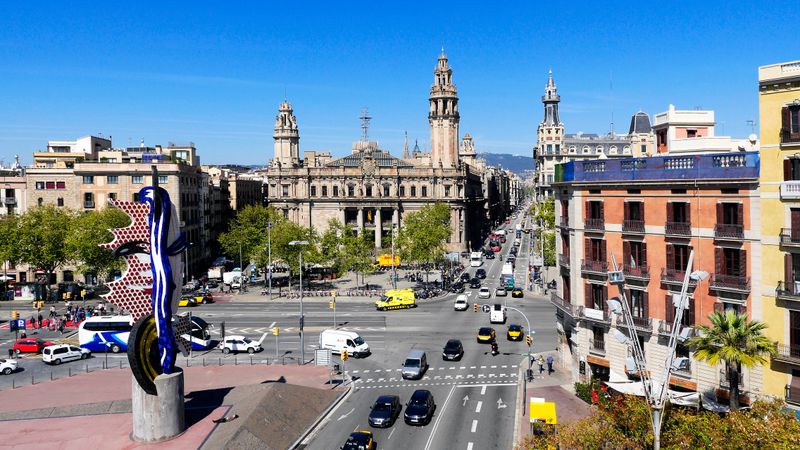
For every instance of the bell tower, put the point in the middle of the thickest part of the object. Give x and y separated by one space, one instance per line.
443 116
287 137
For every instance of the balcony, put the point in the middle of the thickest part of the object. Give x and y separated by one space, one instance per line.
792 395
790 190
728 231
88 204
725 384
644 324
790 237
633 226
563 221
597 346
563 305
789 138
789 354
680 229
594 267
788 291
732 283
9 200
672 276
563 261
594 315
640 273
595 225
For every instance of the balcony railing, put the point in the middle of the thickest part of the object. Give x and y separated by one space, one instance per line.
790 237
639 323
730 283
638 272
88 204
788 290
672 276
729 231
678 229
792 395
562 304
790 190
597 345
787 353
725 384
10 200
563 221
633 226
596 267
595 315
787 137
563 261
595 224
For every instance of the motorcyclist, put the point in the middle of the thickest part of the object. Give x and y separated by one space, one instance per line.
495 350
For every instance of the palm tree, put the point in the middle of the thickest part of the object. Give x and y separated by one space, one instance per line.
735 340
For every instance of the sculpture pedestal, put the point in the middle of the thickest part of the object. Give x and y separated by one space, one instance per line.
158 417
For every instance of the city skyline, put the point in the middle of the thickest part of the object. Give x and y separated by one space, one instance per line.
216 77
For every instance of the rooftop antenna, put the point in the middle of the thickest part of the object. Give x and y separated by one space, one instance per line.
611 91
752 123
365 119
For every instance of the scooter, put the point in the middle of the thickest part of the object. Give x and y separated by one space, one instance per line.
495 350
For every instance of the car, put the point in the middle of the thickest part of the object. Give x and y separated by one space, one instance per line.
360 440
465 277
56 354
515 332
484 293
486 335
475 283
8 366
513 251
480 273
30 345
420 408
489 254
384 412
517 292
461 303
457 287
500 292
453 350
187 300
240 344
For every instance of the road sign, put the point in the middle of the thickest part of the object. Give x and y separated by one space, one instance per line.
486 308
20 324
275 331
322 357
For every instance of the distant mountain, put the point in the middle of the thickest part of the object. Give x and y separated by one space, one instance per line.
514 163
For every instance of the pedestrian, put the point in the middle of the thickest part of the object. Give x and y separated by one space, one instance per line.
33 321
61 326
41 319
52 311
541 364
549 364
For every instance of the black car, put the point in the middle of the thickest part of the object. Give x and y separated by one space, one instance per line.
513 251
465 277
488 254
475 283
419 409
457 287
480 273
453 350
384 411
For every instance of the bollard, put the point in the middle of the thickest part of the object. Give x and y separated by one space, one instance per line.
220 361
32 381
51 376
120 364
251 360
13 384
235 361
204 362
70 371
87 368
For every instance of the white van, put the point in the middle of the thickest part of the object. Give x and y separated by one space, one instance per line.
339 340
56 354
498 314
476 259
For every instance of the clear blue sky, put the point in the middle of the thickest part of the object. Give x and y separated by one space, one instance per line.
214 74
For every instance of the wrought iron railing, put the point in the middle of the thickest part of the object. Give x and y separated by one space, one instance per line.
678 229
633 226
728 231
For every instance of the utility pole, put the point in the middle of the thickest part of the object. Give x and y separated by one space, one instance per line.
394 270
269 256
300 244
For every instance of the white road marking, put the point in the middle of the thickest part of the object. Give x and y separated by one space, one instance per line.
469 446
474 426
462 368
439 416
390 434
345 415
483 390
478 408
494 367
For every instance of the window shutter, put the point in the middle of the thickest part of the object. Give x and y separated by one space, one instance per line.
670 256
670 212
627 211
688 210
740 214
643 256
720 214
588 210
788 275
742 263
605 297
587 249
640 205
603 250
602 212
718 261
626 253
669 310
645 304
787 170
795 223
719 308
785 118
689 313
587 301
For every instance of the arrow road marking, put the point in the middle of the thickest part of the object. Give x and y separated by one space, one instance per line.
500 404
345 415
465 399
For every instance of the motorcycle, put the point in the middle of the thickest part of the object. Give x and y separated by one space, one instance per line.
495 350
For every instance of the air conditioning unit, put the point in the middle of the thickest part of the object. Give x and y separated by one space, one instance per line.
681 363
686 333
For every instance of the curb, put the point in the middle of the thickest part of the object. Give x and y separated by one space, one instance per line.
311 430
522 388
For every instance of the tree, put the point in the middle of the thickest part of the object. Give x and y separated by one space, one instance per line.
89 230
9 248
42 237
550 248
248 232
424 234
347 250
736 341
545 213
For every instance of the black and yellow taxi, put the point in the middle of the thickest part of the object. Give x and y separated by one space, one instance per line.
515 332
486 335
187 300
517 292
360 440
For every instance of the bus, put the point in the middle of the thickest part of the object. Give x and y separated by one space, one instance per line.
200 338
476 259
105 333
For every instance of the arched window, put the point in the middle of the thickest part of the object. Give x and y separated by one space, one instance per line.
613 150
402 190
368 190
424 191
599 149
413 191
585 149
386 190
351 190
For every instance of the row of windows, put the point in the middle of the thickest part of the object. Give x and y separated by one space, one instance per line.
50 185
556 149
350 191
114 179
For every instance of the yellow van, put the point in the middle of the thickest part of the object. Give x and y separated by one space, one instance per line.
396 299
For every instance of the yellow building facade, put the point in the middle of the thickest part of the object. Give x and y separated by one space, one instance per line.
779 110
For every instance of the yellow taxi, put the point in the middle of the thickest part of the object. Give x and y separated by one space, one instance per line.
360 440
486 335
187 300
514 333
517 292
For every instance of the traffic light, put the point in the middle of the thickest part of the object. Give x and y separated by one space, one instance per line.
15 314
345 355
330 304
275 331
475 307
528 340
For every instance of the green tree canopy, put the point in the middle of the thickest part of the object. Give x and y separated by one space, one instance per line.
42 234
736 341
9 247
249 230
545 212
424 234
87 231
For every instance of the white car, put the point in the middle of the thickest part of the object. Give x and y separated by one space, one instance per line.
241 344
56 354
8 366
461 303
484 293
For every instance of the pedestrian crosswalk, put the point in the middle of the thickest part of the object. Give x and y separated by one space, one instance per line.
250 331
435 376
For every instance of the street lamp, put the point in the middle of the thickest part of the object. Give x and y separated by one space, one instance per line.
269 256
394 268
302 316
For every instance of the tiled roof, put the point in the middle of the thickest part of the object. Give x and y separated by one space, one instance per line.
382 159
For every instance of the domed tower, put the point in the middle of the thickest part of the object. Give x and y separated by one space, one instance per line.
287 137
443 116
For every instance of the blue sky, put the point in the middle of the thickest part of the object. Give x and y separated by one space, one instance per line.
214 74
